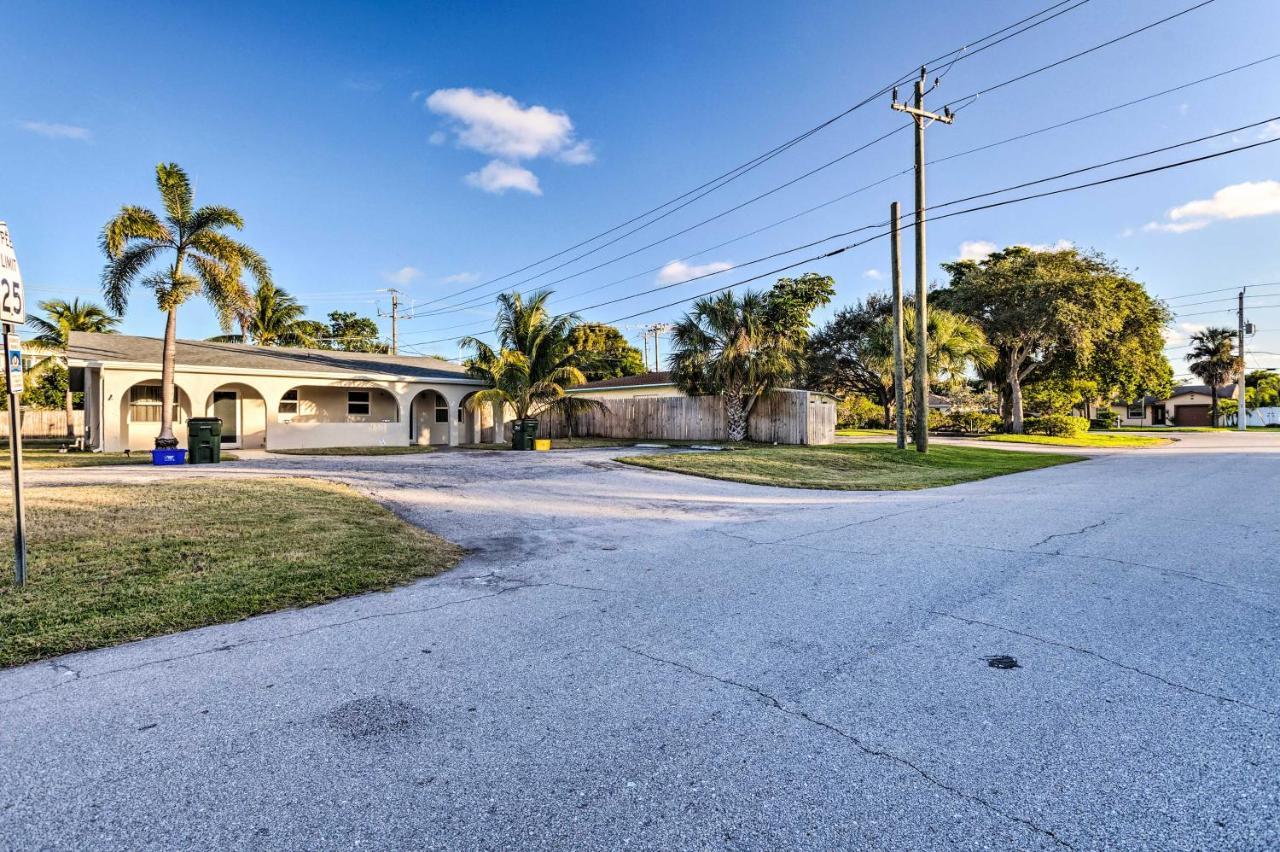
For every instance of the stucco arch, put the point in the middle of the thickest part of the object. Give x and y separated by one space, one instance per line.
139 415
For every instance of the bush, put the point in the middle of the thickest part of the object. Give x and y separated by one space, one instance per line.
970 422
1056 425
1105 418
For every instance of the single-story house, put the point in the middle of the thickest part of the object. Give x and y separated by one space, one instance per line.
629 387
272 397
1188 405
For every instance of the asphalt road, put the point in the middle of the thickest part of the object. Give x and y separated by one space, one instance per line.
638 659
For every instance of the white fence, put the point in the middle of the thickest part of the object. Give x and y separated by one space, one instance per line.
1269 416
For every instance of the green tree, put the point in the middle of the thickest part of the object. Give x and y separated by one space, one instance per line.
273 318
1262 388
53 331
1063 313
604 352
1213 360
741 347
176 257
535 360
351 332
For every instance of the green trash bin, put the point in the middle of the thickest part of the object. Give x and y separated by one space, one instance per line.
204 440
522 434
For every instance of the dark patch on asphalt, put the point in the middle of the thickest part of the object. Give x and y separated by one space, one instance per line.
1000 661
374 718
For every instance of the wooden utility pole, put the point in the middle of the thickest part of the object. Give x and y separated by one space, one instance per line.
395 319
1241 416
899 358
922 119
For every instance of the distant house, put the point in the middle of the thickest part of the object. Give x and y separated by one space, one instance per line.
629 387
272 397
1188 405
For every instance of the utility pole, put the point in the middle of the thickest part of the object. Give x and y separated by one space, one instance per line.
395 318
899 357
922 119
1241 417
656 330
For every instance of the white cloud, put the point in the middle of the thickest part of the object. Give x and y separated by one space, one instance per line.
53 130
499 125
460 278
1183 109
497 177
403 275
976 249
1270 130
438 138
1181 333
873 274
678 270
1060 245
1238 201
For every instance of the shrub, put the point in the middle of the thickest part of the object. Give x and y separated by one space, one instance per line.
1056 425
1105 418
971 422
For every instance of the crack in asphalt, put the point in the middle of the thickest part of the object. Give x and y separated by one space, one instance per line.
1106 659
773 702
793 538
516 586
1080 531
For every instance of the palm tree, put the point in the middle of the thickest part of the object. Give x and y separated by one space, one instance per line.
53 331
956 344
727 345
274 318
1212 359
197 258
535 360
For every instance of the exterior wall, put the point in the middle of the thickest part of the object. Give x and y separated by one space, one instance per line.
1122 412
425 428
322 400
1171 406
311 434
638 392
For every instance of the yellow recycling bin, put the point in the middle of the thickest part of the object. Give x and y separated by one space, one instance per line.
542 445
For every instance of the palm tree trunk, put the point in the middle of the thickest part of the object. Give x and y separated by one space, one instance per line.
736 414
166 440
71 412
1213 412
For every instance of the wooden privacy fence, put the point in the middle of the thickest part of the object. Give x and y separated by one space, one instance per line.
783 417
44 424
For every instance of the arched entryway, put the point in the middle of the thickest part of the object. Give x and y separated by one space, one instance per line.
429 417
243 412
140 408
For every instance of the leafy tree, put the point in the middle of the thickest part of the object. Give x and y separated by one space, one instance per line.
854 352
741 347
535 360
1060 313
53 331
856 411
351 332
1213 360
194 256
273 318
604 352
1262 388
1058 395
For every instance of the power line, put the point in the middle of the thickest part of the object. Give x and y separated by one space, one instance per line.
484 297
733 174
966 211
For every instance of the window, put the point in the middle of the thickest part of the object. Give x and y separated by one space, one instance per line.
289 402
145 402
442 410
357 403
1136 410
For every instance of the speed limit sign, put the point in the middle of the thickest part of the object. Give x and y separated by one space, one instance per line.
13 300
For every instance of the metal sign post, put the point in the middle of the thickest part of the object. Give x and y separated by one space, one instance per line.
13 311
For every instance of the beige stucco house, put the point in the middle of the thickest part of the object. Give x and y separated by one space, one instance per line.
1188 405
642 386
273 397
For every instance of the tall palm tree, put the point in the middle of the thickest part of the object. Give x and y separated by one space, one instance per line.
535 360
1213 360
274 318
727 345
194 255
53 331
956 344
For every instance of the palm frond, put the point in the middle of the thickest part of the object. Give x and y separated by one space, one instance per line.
175 192
123 269
133 223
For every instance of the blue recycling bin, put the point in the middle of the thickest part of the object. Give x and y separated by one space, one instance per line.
177 455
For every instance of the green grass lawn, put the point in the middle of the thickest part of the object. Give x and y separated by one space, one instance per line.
48 458
863 433
356 451
851 467
110 564
1089 439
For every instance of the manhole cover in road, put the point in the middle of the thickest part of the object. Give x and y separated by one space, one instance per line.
1002 661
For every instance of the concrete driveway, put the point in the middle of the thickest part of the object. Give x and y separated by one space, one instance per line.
639 659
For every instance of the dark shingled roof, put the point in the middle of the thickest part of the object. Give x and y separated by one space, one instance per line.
660 378
86 346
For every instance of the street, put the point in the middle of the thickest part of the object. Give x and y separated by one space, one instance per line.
640 659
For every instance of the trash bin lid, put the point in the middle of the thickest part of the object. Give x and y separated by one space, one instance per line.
204 419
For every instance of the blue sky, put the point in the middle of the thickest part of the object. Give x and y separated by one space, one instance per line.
430 146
